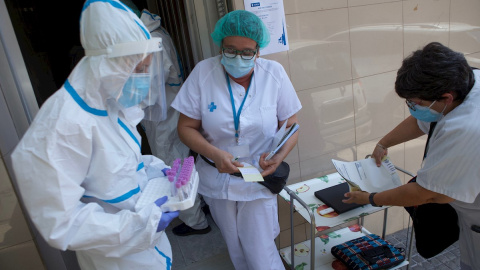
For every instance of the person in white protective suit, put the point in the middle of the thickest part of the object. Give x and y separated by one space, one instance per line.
162 136
79 168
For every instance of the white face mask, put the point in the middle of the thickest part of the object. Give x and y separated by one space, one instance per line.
237 67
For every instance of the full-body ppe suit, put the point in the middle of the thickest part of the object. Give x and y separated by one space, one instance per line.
163 137
79 168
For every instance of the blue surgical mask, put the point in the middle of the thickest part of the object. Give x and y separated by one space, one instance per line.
426 114
237 67
135 89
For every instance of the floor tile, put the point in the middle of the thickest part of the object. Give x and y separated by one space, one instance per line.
209 251
198 250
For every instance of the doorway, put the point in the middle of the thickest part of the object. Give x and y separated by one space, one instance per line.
49 38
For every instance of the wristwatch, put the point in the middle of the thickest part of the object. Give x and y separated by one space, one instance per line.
370 198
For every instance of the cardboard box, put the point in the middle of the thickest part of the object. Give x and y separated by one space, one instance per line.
284 215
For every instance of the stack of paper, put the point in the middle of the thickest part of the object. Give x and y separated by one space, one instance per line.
365 175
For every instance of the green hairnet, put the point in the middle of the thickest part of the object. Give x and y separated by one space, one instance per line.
241 23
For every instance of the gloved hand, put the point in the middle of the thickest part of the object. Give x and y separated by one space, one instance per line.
165 171
167 217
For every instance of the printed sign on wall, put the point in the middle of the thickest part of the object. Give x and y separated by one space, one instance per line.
272 13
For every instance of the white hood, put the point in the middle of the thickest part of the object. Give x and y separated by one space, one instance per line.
102 24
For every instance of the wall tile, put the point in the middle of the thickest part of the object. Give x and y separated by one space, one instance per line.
326 120
22 256
293 155
8 135
13 227
378 109
465 26
473 59
425 21
322 165
295 174
376 38
301 6
319 48
352 3
281 57
374 223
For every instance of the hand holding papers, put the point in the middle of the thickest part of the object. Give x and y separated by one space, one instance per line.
364 175
281 137
361 175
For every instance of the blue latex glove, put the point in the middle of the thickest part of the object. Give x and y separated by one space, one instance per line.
165 170
167 217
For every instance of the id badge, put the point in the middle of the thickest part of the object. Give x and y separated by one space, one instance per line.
239 151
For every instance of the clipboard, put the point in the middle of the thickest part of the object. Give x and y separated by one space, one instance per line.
279 141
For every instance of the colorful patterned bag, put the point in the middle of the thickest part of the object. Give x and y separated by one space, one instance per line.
368 252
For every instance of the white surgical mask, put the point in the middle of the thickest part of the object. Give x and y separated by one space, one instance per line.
237 67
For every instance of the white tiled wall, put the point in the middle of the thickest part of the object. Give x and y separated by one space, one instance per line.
319 48
376 35
17 248
343 59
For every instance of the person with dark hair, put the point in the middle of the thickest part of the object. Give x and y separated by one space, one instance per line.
231 106
439 87
437 67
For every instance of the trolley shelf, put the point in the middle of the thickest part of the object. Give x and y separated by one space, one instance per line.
324 260
309 207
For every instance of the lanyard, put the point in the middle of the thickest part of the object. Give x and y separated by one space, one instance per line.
430 132
236 115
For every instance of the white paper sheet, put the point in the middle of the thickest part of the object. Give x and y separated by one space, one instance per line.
272 13
367 176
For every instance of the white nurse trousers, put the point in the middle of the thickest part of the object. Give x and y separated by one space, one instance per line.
249 229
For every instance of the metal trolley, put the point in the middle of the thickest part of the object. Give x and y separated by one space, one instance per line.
293 196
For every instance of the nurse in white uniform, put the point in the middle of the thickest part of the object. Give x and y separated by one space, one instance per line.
439 86
79 167
231 106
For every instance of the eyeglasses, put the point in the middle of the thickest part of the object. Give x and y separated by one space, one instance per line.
411 104
245 54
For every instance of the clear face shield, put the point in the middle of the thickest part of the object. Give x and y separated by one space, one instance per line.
145 85
155 105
